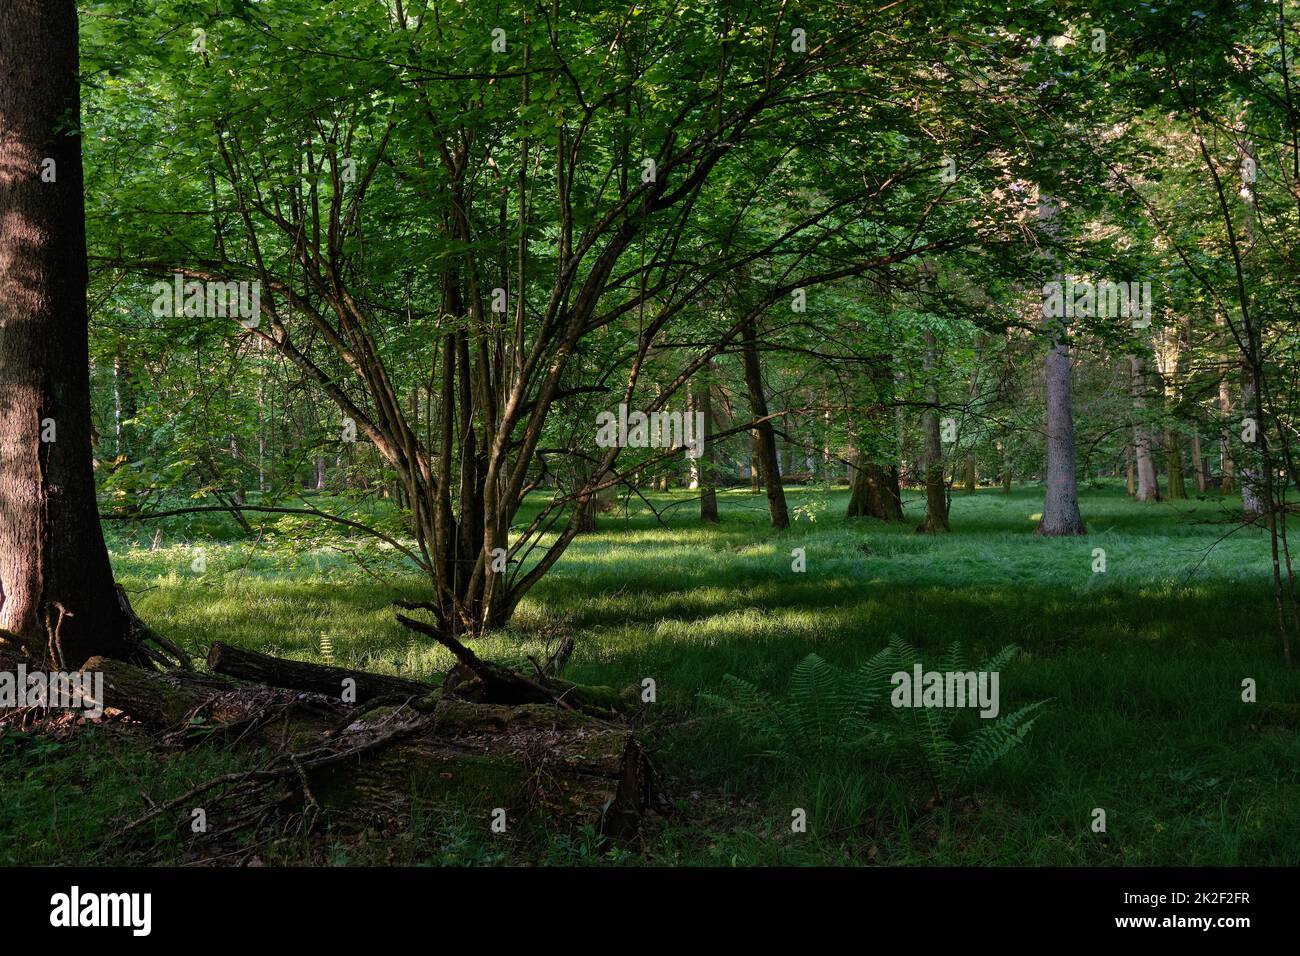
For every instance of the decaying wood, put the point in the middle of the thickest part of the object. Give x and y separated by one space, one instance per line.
300 675
188 706
529 760
362 767
160 700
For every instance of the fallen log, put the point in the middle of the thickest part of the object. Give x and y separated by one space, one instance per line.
368 767
529 761
300 675
160 700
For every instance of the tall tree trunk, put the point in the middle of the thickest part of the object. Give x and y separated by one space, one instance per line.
1172 359
766 435
705 465
1252 500
1061 501
261 417
1198 463
238 495
829 467
57 595
936 492
587 522
124 405
1253 474
1174 462
1148 486
1227 466
1130 481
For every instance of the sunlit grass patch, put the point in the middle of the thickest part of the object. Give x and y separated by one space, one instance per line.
1142 662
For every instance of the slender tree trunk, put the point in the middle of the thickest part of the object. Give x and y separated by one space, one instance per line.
124 406
1227 467
238 494
57 596
1130 473
829 467
1198 463
970 477
1252 501
1148 486
706 463
261 418
1252 476
1172 359
587 510
766 435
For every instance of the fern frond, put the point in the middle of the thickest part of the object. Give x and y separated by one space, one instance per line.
992 742
813 694
955 659
1001 659
866 687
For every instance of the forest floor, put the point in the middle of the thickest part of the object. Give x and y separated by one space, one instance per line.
1142 667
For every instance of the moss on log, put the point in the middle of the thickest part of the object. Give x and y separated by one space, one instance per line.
534 761
152 698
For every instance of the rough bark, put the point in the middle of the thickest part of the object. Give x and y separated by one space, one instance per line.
1198 463
1173 361
160 700
875 492
258 668
1227 466
1061 501
124 405
1252 498
1177 486
359 767
1148 487
765 434
56 585
936 492
527 759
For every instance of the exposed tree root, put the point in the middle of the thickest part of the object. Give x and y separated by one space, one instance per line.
157 648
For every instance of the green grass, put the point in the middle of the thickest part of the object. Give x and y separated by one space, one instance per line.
1143 665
